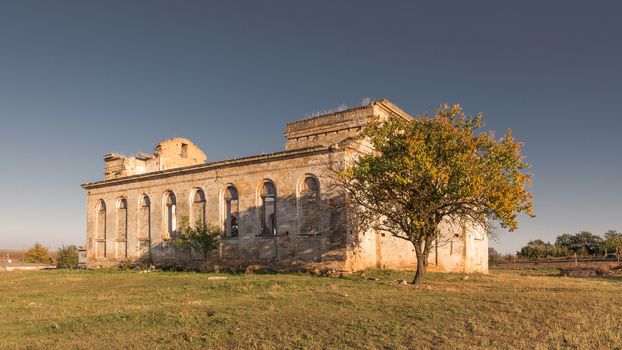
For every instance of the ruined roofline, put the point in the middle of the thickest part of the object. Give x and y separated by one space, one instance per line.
343 116
389 106
208 166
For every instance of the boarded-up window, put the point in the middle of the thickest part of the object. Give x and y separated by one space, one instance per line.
232 209
144 218
100 230
144 226
100 221
121 228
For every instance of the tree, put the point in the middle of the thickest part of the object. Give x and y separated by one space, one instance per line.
612 242
540 249
38 254
583 243
565 241
531 250
202 237
429 170
67 257
494 256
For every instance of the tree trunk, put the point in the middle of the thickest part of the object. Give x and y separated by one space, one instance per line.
422 266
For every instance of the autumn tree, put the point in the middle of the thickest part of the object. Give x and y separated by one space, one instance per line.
430 170
37 254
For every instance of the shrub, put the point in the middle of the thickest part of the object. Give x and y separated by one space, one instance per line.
494 257
67 257
612 242
38 254
128 264
202 238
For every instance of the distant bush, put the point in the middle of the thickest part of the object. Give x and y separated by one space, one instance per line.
613 242
494 256
583 243
67 257
38 254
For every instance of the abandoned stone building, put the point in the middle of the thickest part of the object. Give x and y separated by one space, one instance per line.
274 209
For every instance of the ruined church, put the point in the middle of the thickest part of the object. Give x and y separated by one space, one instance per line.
276 210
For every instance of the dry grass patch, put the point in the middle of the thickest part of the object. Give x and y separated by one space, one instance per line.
116 309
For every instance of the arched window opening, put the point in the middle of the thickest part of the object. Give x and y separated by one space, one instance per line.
100 220
309 206
121 227
144 225
145 202
170 215
122 203
100 230
198 207
268 209
231 212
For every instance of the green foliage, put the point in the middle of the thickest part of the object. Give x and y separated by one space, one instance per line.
67 257
428 170
494 257
612 242
539 249
583 243
201 237
37 254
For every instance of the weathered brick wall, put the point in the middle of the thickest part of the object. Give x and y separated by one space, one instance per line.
286 172
178 152
173 153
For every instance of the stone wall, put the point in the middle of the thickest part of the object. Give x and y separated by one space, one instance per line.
286 170
329 129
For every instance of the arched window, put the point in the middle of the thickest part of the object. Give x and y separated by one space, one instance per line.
268 209
170 214
231 212
121 228
144 225
198 207
309 201
100 229
100 220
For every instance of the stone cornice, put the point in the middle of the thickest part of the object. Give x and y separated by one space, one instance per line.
269 157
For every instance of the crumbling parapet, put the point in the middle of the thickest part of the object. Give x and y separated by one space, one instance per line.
169 154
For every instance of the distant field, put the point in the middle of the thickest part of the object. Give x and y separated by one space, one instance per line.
14 255
117 309
17 255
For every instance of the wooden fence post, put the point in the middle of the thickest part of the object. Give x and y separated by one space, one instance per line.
576 262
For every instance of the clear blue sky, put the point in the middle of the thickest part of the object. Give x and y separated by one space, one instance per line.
79 79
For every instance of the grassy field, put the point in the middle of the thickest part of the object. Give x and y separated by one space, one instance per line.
123 309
